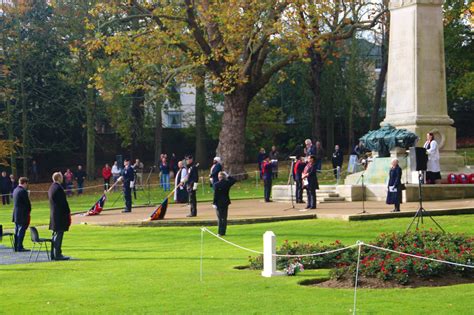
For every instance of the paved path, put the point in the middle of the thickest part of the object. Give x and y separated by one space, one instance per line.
252 211
9 257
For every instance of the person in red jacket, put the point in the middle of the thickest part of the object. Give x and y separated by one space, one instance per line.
106 174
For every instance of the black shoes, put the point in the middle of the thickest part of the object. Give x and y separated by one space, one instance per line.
61 258
395 210
22 250
126 211
190 215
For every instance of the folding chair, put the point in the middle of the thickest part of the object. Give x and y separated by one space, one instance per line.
2 234
37 240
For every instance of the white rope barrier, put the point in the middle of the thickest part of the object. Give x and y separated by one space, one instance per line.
318 254
357 276
230 243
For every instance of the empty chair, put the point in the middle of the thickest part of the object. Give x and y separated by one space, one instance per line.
37 240
2 234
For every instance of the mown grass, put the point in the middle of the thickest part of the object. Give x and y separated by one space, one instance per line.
156 270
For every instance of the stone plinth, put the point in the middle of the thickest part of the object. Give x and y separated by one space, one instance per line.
416 79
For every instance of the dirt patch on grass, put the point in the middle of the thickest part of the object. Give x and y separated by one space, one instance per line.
374 283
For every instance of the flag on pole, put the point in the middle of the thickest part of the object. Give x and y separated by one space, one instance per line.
98 206
160 211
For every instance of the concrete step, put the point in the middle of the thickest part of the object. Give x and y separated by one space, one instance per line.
333 199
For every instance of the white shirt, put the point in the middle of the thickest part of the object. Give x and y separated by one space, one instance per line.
115 170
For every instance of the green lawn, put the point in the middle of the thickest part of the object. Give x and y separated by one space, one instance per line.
156 270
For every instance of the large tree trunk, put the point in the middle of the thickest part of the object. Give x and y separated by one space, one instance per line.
231 146
200 116
90 133
158 131
374 118
316 67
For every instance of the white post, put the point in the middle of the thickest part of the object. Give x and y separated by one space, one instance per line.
269 260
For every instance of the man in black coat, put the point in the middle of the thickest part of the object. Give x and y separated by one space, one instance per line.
310 174
191 180
5 188
21 213
337 159
222 200
128 178
60 216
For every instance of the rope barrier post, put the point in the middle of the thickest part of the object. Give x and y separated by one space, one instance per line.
338 174
357 276
269 255
202 250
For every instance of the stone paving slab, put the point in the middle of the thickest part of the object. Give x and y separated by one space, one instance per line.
257 211
9 257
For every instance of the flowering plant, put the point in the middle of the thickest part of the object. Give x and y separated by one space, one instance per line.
293 268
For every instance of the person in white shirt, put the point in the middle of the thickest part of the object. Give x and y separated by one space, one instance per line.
115 173
433 171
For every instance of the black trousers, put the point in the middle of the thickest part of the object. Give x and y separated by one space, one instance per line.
56 250
106 183
20 231
6 198
127 193
299 190
222 212
311 191
267 189
193 202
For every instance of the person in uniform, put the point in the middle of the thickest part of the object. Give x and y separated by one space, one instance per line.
337 158
214 172
394 193
21 213
60 216
221 200
127 177
267 175
191 182
311 183
297 176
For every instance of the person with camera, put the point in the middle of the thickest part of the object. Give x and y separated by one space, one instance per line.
267 175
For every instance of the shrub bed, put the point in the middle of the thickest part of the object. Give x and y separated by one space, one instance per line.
385 265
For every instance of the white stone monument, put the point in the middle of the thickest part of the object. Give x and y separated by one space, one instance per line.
416 79
269 260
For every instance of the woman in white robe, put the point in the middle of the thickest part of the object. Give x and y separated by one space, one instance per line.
433 171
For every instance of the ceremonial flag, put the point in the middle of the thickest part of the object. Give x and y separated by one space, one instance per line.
160 211
98 207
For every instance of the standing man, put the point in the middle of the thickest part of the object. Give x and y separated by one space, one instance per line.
311 183
60 216
191 181
115 173
127 178
337 158
222 200
138 167
319 154
297 175
5 188
267 175
214 172
309 148
80 177
274 157
21 213
106 174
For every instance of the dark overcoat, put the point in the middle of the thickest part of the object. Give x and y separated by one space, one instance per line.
60 214
394 180
21 206
221 192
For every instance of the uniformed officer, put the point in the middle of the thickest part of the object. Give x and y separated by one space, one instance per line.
191 181
127 177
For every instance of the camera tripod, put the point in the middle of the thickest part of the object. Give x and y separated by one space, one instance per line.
421 211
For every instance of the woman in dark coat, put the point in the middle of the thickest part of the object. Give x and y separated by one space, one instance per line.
394 193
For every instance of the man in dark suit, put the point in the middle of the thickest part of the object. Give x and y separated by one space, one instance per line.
21 213
297 176
215 169
267 175
222 200
191 180
127 177
60 216
310 174
337 158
